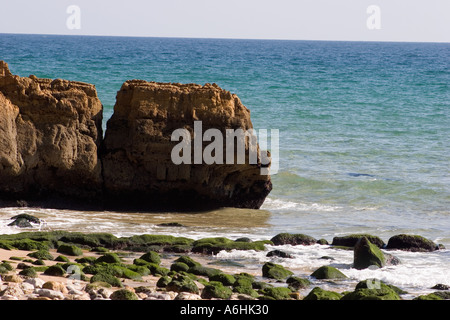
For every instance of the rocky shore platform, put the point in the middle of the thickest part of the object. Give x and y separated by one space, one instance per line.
61 265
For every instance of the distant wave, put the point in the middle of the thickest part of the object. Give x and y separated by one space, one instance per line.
279 204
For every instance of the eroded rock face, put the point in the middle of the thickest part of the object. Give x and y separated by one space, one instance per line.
50 133
137 164
52 147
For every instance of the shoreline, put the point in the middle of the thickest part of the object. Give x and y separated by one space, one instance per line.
125 264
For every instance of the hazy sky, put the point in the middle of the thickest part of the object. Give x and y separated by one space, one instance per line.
396 20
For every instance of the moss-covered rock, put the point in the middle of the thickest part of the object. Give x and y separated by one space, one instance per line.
277 293
297 283
245 276
140 262
443 294
100 239
182 283
142 270
258 285
163 281
247 290
130 274
7 265
16 258
6 245
62 258
293 239
152 257
372 290
413 243
70 250
319 294
29 272
352 239
244 284
225 279
367 254
108 258
204 271
328 272
215 245
39 262
41 254
188 260
217 290
164 242
157 270
103 267
123 294
88 260
106 277
55 270
179 266
275 271
3 270
430 296
40 268
322 241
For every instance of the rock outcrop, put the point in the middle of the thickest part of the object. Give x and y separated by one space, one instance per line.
50 133
52 149
367 254
137 164
413 243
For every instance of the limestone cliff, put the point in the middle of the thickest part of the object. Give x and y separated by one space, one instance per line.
51 145
137 164
50 132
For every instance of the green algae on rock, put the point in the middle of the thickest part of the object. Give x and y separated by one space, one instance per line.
411 243
318 293
298 283
70 250
352 239
372 289
225 279
276 293
367 254
182 283
293 239
215 245
216 289
328 272
123 294
41 254
275 271
55 270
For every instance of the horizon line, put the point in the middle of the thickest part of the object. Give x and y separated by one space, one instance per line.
218 38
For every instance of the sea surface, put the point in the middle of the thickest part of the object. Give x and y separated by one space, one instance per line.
364 139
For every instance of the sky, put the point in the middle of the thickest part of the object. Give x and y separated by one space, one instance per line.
342 20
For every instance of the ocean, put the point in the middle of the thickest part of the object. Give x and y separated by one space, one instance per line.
364 138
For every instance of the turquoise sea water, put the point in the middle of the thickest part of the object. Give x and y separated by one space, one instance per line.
364 127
